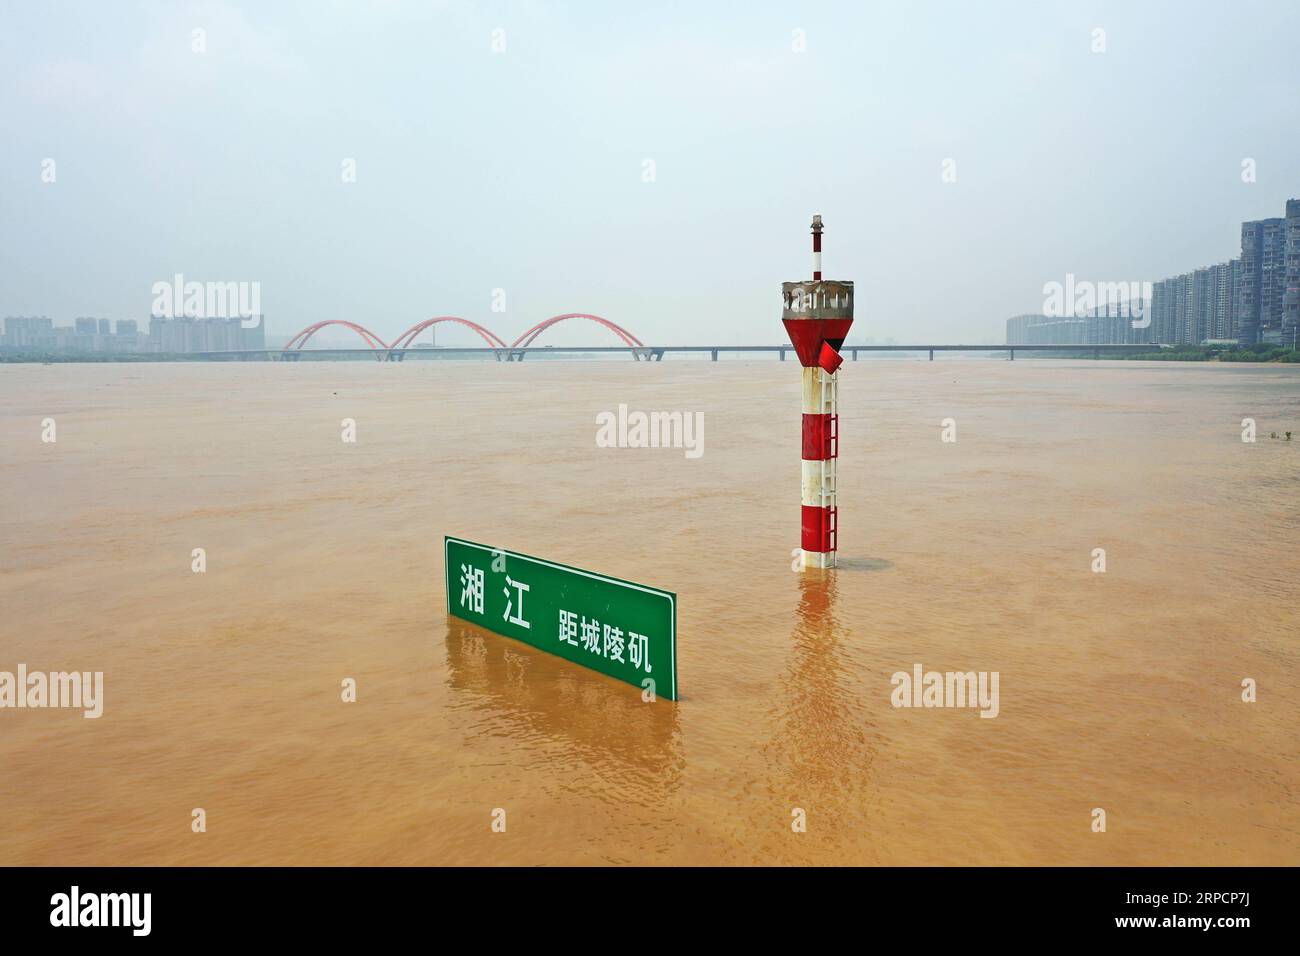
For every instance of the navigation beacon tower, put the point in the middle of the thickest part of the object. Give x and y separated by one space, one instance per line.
817 315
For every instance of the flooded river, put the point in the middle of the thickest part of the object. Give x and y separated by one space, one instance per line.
1119 691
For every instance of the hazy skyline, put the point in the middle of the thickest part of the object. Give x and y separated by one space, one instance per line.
523 169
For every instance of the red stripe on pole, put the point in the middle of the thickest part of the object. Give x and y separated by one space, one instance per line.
818 430
819 528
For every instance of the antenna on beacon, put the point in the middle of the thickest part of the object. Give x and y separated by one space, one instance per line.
817 248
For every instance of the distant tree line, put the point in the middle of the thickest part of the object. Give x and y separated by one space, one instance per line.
1213 353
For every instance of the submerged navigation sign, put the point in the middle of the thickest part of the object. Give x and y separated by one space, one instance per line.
625 630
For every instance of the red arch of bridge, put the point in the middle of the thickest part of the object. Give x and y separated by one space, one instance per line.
407 338
530 336
374 341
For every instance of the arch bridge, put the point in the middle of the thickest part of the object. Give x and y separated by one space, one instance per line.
515 351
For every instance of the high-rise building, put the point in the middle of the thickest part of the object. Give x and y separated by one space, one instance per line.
127 327
187 334
1161 310
28 331
1263 280
1173 309
1291 294
1204 304
156 326
253 336
1200 307
1018 329
1226 277
1272 285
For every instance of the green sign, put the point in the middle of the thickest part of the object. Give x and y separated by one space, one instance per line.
625 630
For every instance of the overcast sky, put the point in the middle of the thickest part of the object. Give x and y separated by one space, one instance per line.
524 169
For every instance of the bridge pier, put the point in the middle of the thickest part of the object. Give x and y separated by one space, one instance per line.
782 355
1013 354
855 355
931 355
715 355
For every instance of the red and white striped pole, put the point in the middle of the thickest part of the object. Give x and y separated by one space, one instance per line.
817 315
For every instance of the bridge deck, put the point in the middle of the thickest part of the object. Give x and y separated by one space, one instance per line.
657 352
